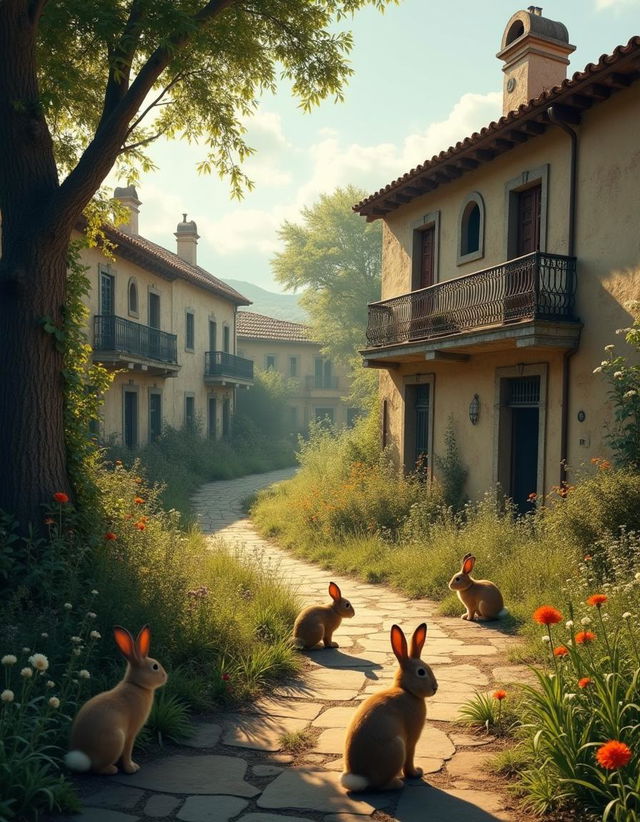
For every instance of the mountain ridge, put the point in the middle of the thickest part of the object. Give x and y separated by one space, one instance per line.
270 303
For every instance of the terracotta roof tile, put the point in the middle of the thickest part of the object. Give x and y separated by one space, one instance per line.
581 82
260 327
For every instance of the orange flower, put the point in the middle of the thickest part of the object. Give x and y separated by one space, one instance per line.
561 650
596 599
499 695
118 462
139 525
584 682
49 521
584 637
110 535
613 755
532 497
61 497
138 500
547 615
588 558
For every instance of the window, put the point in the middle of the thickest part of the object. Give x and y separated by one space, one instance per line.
225 339
213 335
130 419
212 417
426 233
154 309
107 290
155 416
325 416
526 209
226 418
293 366
190 331
270 362
133 298
323 377
189 412
471 244
353 415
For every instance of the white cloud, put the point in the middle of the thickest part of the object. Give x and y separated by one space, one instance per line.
601 5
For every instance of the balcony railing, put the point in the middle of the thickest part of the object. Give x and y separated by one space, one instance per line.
220 364
538 286
111 333
317 383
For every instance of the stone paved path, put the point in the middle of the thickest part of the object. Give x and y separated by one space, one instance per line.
234 768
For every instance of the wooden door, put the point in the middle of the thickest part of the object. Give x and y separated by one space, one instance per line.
529 220
427 257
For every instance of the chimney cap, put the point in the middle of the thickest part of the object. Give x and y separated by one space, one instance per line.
532 23
187 228
126 193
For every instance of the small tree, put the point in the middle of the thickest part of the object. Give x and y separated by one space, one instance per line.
624 392
451 472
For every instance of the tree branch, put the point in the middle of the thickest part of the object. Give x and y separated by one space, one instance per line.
121 59
155 103
144 142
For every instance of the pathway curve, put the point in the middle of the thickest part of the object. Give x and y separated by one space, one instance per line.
234 768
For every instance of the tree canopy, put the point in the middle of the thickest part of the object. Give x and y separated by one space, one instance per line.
336 256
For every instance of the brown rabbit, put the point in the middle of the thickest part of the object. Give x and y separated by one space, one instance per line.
479 596
383 734
318 622
106 726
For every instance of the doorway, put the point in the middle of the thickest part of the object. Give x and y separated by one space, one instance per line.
520 438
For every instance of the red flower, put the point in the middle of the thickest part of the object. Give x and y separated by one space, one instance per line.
110 535
584 637
561 650
596 599
61 497
584 682
499 695
613 755
138 500
547 615
139 525
226 677
588 558
532 497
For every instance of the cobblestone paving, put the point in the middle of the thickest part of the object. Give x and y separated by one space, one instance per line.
233 768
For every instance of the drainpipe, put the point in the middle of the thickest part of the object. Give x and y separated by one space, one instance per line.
555 116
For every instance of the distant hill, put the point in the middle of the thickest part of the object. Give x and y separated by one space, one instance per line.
280 306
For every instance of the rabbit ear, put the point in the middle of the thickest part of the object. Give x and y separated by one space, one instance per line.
399 643
143 642
468 563
334 591
125 642
417 640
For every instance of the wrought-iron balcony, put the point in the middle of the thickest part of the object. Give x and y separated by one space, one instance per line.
324 383
538 288
221 367
123 343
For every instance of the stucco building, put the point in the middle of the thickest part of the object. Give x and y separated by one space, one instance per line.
318 386
509 261
169 329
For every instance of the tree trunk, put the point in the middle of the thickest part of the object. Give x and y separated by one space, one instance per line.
32 449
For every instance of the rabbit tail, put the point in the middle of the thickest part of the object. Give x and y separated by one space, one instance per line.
77 761
503 612
353 782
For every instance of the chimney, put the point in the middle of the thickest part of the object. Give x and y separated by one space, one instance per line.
129 197
187 240
535 54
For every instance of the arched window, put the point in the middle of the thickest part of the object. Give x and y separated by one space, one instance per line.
471 245
133 298
516 30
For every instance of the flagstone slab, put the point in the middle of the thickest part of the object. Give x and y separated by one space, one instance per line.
205 735
115 796
287 707
335 718
89 814
469 674
208 808
266 770
468 765
305 789
161 804
335 658
443 711
331 741
434 744
462 740
509 674
426 802
259 731
273 817
475 650
207 774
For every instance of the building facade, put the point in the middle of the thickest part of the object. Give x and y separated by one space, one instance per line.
509 261
318 386
167 328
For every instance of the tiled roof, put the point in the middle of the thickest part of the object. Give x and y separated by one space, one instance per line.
260 327
596 83
153 256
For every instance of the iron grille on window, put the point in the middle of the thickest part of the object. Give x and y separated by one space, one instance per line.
524 391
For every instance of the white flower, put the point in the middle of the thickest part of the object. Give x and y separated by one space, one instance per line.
604 617
604 362
54 702
94 592
569 697
628 394
91 615
27 673
44 635
68 606
618 375
9 659
39 661
26 650
95 635
597 369
7 695
77 651
609 347
50 684
586 621
545 639
76 639
569 623
627 615
84 674
638 575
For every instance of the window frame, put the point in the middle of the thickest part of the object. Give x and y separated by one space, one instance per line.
513 187
469 256
189 330
133 311
430 220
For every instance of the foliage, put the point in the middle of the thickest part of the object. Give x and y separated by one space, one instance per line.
624 392
169 719
336 256
451 472
494 712
264 407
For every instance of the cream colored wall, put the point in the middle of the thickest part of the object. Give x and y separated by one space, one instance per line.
305 401
175 298
608 266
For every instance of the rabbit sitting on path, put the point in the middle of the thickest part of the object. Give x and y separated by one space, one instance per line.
479 596
318 622
106 726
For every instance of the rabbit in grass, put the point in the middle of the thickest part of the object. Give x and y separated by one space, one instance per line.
383 734
479 596
106 726
318 622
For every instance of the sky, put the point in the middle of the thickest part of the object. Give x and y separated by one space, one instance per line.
426 76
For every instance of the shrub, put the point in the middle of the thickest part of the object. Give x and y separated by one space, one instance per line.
451 472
